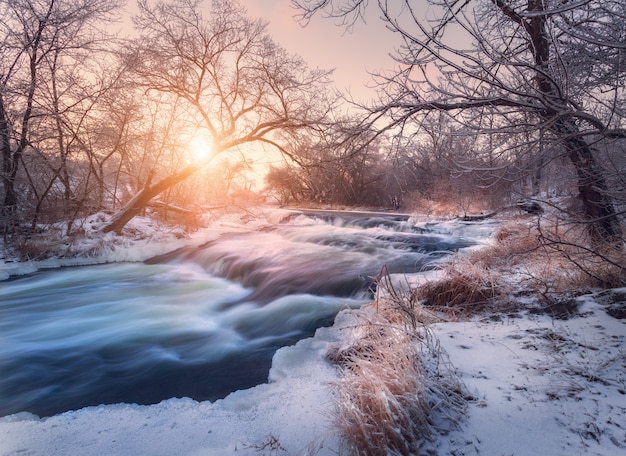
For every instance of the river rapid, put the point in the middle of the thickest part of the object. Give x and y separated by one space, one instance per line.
199 322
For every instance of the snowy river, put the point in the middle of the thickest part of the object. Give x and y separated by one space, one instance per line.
199 322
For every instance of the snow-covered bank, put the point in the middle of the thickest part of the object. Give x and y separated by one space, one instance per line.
542 385
142 239
289 412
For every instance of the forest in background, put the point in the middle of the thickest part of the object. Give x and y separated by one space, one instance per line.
172 119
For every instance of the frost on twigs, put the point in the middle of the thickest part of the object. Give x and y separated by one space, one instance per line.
397 387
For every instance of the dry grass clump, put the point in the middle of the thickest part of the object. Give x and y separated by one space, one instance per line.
34 248
517 238
605 271
459 293
554 257
588 263
382 405
397 386
522 258
515 242
482 280
546 260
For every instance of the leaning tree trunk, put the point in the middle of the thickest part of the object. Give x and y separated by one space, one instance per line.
138 202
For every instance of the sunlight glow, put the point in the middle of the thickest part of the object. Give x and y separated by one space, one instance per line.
200 149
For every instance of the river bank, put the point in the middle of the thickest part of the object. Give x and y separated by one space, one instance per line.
539 384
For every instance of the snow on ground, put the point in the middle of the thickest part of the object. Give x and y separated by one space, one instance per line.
542 386
142 239
289 412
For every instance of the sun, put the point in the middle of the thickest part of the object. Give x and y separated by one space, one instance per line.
200 149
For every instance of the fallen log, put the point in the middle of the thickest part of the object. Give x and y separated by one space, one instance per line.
170 207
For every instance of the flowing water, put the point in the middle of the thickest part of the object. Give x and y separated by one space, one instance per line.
199 322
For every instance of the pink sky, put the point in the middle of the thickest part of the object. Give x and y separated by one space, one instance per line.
326 45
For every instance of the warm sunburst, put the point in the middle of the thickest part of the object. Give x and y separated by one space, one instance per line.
200 149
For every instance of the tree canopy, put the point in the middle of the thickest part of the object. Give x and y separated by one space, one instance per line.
504 91
90 121
539 74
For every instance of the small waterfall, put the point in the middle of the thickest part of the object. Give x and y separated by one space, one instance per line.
199 322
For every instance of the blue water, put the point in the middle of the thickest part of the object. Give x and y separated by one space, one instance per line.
200 322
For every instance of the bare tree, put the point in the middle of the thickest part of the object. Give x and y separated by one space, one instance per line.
538 72
233 81
39 39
